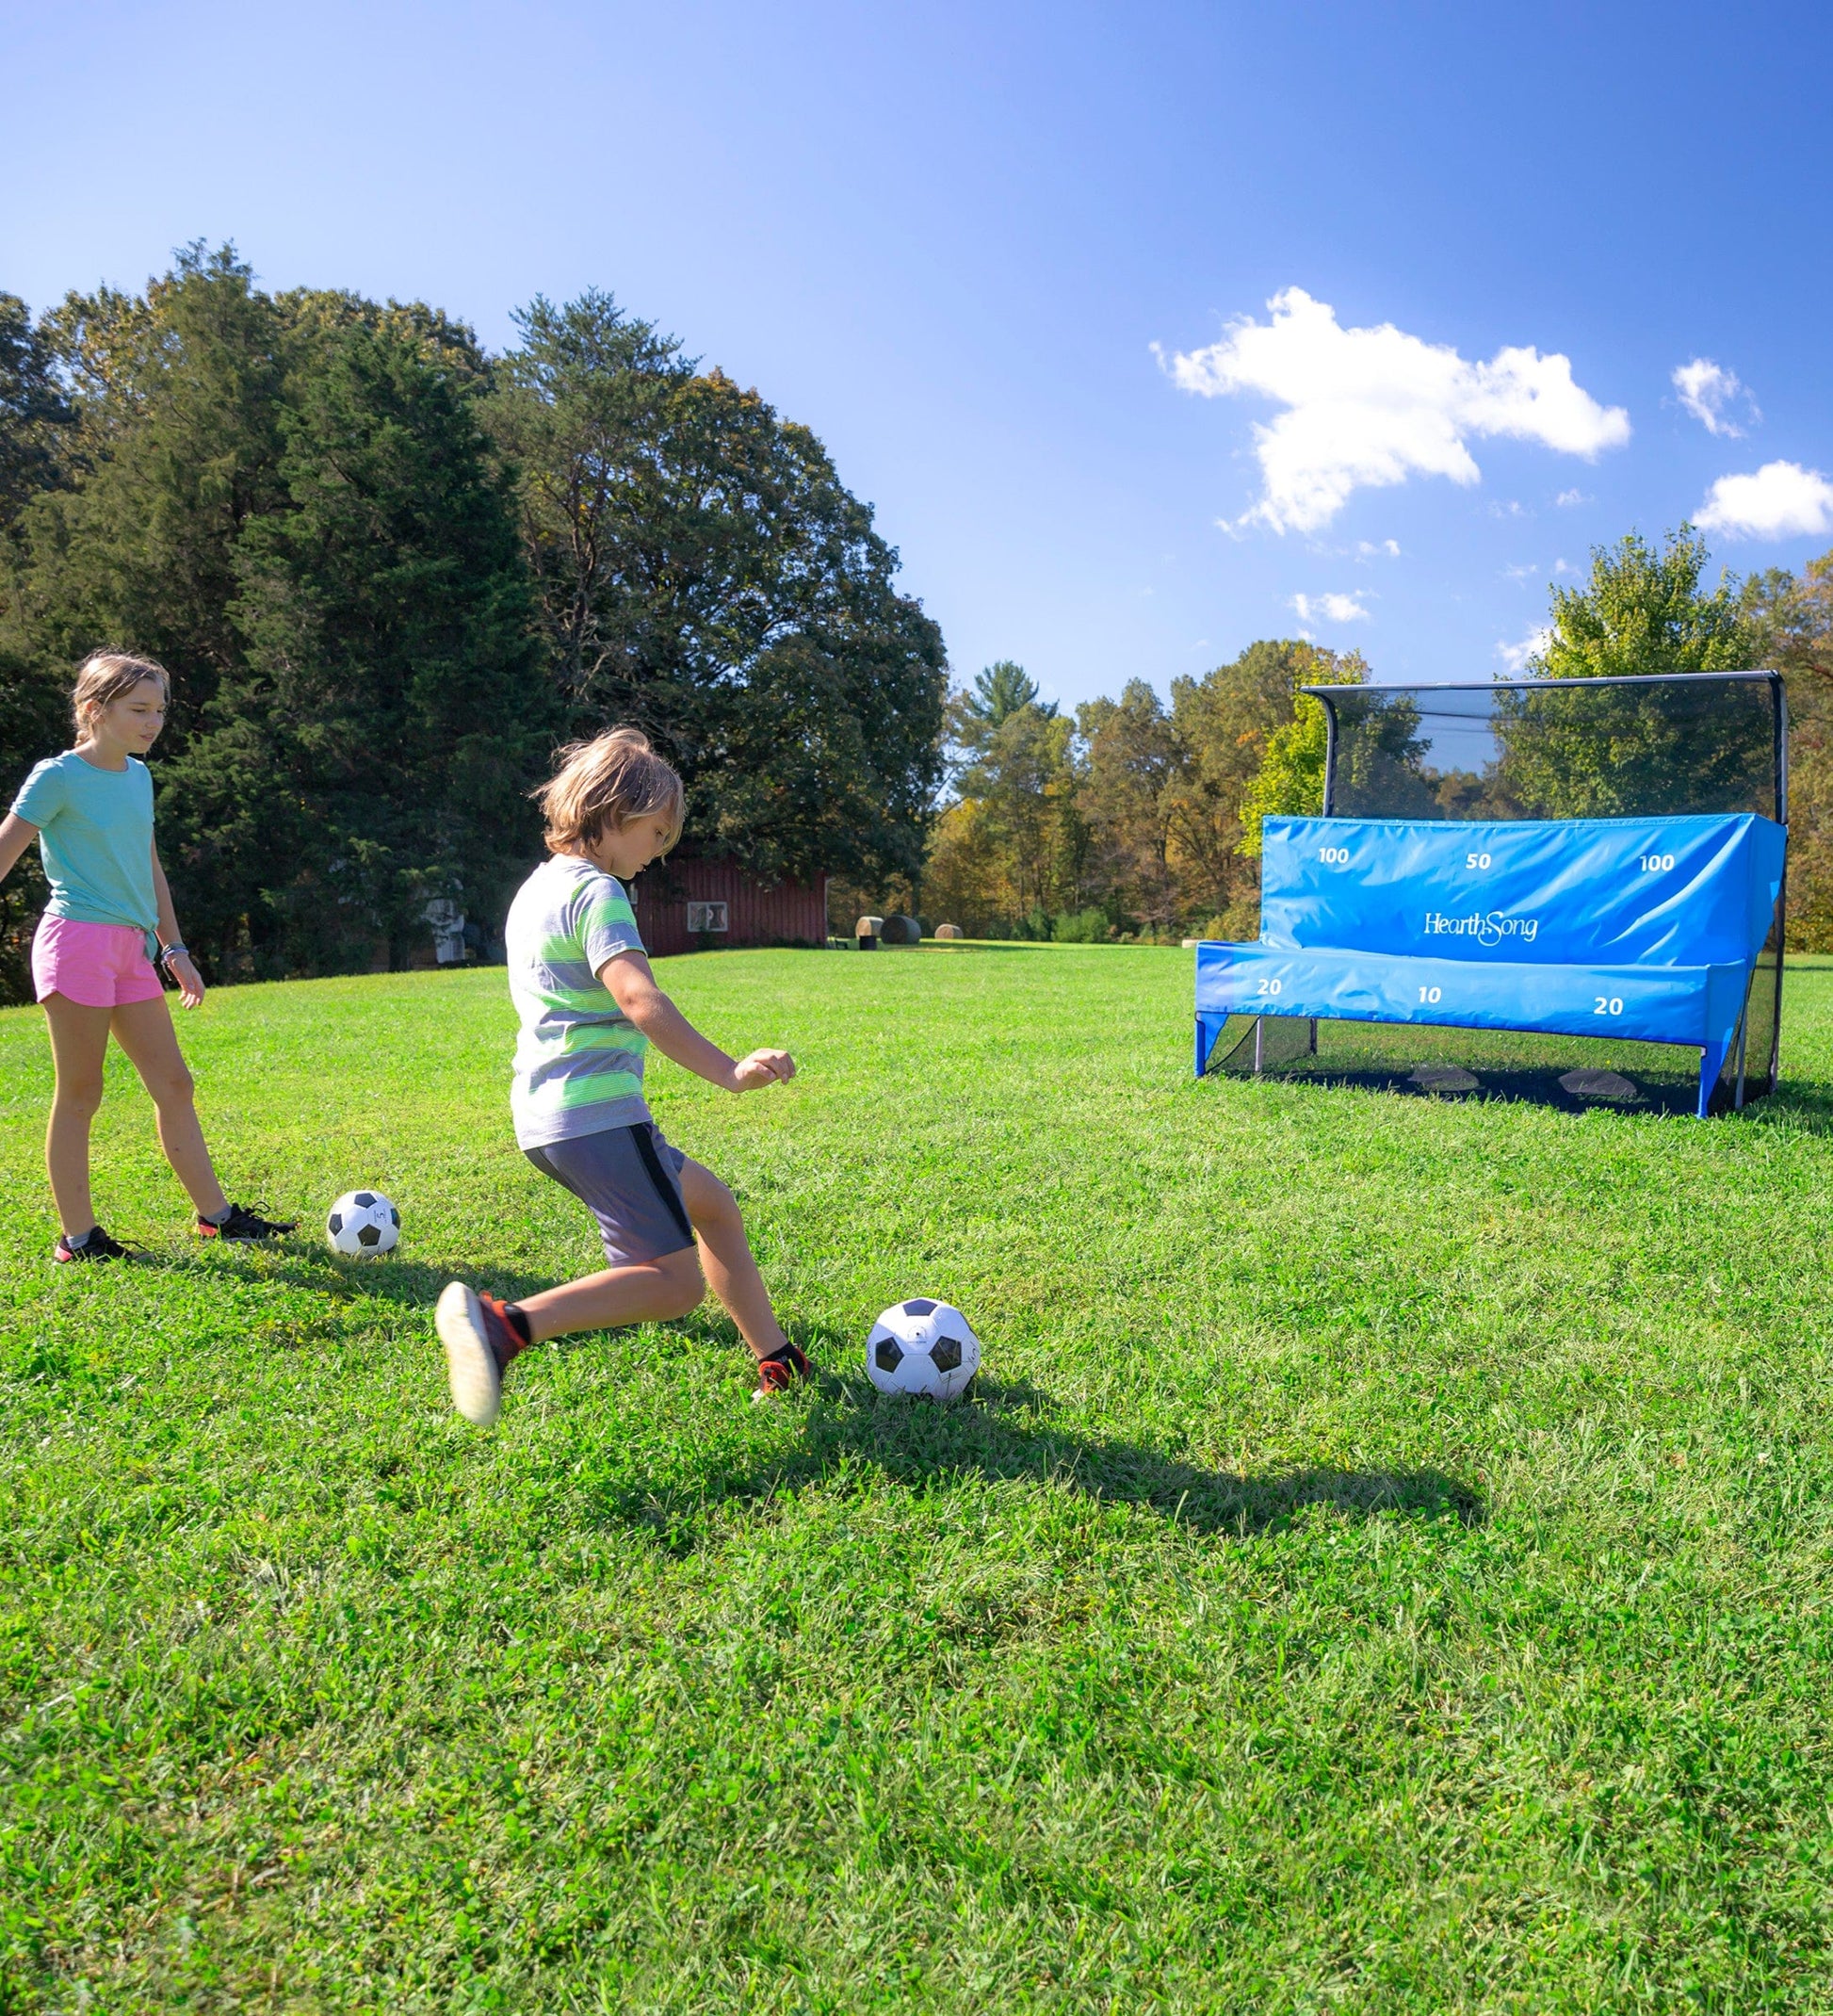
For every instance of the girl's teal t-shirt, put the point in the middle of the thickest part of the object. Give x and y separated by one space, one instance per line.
95 838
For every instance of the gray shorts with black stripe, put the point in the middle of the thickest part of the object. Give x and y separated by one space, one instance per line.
629 1179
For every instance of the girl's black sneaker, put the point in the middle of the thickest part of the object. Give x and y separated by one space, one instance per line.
95 1244
245 1224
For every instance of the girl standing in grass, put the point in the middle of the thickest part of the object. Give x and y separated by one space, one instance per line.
589 1009
110 914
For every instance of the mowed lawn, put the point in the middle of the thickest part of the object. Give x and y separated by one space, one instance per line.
1385 1565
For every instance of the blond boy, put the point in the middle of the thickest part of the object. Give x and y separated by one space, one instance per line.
589 1010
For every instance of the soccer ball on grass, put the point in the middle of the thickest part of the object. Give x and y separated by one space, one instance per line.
362 1223
924 1348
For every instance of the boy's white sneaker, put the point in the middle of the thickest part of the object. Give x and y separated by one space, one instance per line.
475 1355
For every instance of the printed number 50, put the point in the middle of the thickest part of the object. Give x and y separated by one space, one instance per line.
1607 1004
1431 994
1476 860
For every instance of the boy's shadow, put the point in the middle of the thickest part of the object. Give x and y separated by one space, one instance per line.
1000 1431
1007 1433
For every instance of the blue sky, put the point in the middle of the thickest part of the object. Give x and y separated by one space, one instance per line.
1003 258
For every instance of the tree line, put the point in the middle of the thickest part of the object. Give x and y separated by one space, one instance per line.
390 572
1137 817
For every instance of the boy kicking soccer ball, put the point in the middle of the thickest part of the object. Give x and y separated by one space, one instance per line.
589 1009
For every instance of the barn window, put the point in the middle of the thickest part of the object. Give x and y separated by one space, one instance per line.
707 916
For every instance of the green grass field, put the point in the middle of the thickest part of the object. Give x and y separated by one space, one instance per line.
1385 1565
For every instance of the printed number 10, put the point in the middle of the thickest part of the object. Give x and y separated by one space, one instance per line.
1431 994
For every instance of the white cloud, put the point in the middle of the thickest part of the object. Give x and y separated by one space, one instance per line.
1329 608
1371 407
1522 571
1566 499
1781 499
1516 656
1561 567
1375 549
1707 389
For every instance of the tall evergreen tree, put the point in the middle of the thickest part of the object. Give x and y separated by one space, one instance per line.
177 445
376 753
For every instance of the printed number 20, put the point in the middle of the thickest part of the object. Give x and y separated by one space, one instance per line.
1607 1004
1270 986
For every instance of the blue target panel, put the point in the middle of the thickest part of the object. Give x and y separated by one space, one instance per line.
1648 928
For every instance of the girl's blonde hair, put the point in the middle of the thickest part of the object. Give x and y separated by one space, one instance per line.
106 676
614 777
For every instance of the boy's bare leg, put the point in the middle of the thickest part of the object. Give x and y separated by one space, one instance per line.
656 1293
79 1040
726 1256
144 1031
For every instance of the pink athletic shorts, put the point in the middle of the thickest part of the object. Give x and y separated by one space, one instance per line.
102 966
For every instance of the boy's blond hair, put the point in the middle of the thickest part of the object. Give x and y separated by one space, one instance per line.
614 777
106 676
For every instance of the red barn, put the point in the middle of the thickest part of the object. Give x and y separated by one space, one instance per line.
682 905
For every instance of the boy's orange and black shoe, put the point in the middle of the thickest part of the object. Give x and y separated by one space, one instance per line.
782 1371
481 1335
244 1224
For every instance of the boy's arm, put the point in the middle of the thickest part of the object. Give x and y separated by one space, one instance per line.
631 984
16 835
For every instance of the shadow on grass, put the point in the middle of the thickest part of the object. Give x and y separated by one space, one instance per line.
1002 1431
408 1283
1006 1433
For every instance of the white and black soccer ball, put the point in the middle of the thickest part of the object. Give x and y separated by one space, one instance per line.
363 1222
922 1347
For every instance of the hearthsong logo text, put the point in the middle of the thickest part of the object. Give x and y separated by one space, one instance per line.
1486 930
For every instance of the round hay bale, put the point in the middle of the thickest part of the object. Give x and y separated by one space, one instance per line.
901 931
869 927
949 931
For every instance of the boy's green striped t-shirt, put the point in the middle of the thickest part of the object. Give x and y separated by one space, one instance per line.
578 1060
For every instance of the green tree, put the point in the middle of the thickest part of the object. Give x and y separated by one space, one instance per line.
998 692
702 570
1623 749
175 451
35 416
1223 722
376 754
1643 611
1792 618
1289 781
1127 797
35 425
1009 853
